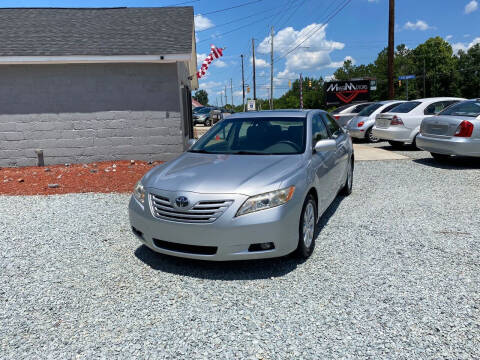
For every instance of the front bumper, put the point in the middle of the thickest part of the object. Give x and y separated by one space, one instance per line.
393 133
230 235
449 146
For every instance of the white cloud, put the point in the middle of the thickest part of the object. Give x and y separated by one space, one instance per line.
471 7
464 46
448 37
419 25
311 55
239 93
209 85
259 63
202 23
337 64
200 58
219 63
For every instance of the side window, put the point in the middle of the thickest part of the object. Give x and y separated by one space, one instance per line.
319 131
332 126
434 108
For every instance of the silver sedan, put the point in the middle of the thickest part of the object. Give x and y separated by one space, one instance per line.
455 131
254 186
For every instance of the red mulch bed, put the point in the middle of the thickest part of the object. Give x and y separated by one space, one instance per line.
101 177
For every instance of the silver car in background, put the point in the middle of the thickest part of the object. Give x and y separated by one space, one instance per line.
345 113
252 187
455 131
360 127
402 124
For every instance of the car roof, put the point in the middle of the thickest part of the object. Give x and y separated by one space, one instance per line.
274 113
432 99
384 102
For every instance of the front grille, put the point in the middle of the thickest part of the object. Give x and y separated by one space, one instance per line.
184 248
206 211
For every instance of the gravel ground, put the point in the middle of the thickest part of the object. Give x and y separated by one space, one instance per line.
395 274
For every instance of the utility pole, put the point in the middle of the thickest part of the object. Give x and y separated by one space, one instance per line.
301 92
424 91
271 69
253 63
231 91
225 93
243 86
391 44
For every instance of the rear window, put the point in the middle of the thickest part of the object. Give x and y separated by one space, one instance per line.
390 107
405 107
369 110
359 108
340 108
466 108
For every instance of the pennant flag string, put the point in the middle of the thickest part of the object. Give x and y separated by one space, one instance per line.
215 53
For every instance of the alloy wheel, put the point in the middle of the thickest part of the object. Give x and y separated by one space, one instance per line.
308 225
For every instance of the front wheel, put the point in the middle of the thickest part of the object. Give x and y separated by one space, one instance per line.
370 137
208 122
306 231
347 188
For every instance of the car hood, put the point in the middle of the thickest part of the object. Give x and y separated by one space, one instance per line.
223 174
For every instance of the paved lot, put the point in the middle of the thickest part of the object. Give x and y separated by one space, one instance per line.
395 274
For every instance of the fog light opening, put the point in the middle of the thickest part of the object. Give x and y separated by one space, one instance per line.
261 247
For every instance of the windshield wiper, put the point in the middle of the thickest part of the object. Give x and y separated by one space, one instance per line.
243 152
200 151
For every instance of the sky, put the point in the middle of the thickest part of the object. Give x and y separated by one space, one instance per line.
312 37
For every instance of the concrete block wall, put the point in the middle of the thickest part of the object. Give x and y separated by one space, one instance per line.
89 137
89 112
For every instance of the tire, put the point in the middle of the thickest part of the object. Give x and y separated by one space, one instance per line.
396 144
370 138
347 188
207 122
414 143
440 157
306 229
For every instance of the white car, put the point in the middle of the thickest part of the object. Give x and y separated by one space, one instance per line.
345 113
361 125
402 124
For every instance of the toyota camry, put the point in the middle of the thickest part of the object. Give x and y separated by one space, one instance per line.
254 186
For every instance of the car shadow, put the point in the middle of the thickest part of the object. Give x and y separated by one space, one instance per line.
451 164
230 270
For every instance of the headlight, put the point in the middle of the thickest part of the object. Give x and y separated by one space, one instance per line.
266 201
139 192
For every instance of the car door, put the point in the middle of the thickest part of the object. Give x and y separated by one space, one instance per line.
323 164
342 152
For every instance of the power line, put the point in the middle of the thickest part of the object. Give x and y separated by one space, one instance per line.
232 7
316 30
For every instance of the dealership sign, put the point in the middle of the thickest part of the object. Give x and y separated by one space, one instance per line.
346 92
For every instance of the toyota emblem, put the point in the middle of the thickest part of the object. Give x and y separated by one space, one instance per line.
181 201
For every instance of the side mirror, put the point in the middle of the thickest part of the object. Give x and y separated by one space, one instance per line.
325 145
190 142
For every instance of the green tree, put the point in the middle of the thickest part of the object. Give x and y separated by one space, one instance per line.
201 96
469 72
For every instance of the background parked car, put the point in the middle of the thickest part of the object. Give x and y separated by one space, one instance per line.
346 112
361 125
402 124
455 131
202 116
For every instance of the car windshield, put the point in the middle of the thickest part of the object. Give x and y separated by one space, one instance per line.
369 110
405 107
254 136
466 108
203 111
